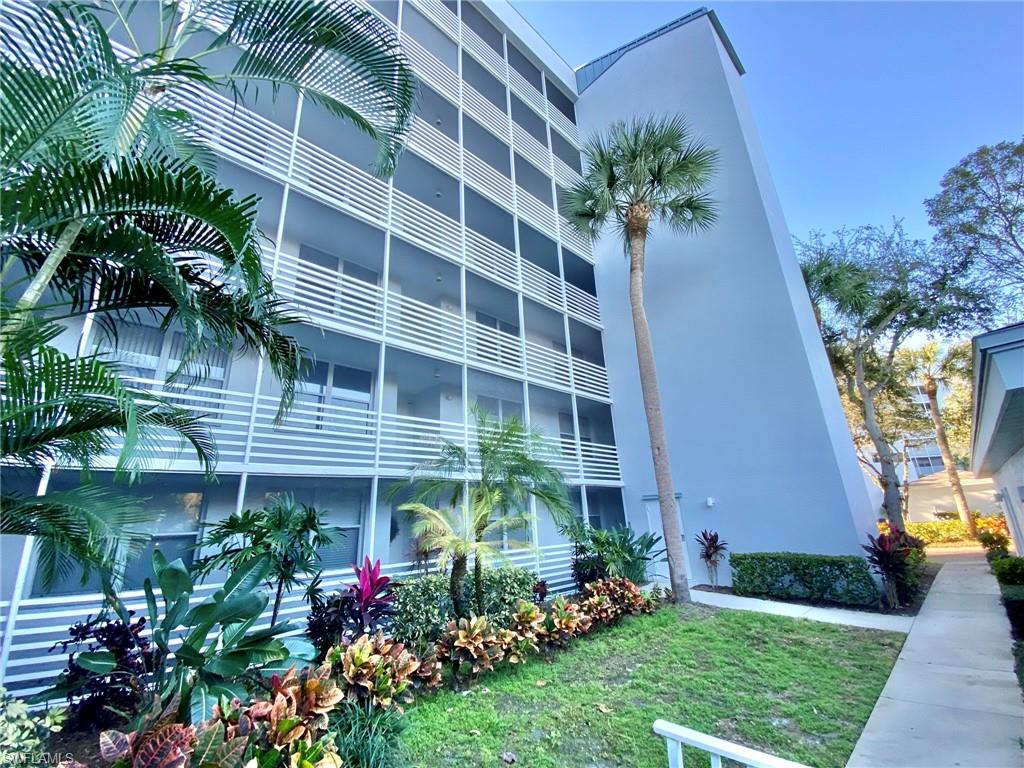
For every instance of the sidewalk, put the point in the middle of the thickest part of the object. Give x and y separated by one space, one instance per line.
865 619
952 698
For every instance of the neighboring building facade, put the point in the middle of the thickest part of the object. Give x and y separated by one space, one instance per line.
457 283
997 439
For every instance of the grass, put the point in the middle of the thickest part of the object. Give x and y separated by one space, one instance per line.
798 689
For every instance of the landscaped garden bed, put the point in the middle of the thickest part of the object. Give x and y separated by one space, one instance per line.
798 689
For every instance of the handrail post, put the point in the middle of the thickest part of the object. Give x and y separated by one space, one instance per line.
675 753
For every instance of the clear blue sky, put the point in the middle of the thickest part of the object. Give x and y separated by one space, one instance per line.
861 106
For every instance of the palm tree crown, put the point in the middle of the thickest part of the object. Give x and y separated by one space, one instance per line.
647 168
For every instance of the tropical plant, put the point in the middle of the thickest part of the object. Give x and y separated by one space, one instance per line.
540 591
363 607
298 707
622 595
513 464
520 640
218 647
287 534
22 732
712 550
650 169
59 411
1009 571
992 540
367 738
892 556
620 552
377 671
459 534
471 646
934 366
99 695
874 288
563 622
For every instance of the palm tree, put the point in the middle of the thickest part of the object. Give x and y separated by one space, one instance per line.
934 366
650 169
470 530
57 410
509 465
103 172
287 534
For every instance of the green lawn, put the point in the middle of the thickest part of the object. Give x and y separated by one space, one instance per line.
799 689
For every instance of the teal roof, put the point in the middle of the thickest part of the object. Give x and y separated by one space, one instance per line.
588 73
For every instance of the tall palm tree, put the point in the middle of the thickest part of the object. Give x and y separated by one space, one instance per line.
932 366
57 410
470 530
648 170
491 484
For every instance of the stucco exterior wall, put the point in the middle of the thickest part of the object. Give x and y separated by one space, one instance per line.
754 420
1009 481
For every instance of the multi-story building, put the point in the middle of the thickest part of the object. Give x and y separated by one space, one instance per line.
459 283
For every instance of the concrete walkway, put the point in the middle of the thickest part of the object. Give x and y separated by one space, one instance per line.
864 619
952 698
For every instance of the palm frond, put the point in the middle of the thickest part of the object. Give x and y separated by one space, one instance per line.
338 55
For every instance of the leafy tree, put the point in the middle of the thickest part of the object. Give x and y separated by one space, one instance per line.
457 534
979 213
58 410
648 169
934 366
873 289
286 534
490 487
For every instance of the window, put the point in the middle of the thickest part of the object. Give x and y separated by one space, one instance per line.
330 387
150 354
498 349
500 409
566 430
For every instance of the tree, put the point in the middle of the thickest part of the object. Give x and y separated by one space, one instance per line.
287 534
58 410
470 530
979 212
491 486
873 289
651 169
935 366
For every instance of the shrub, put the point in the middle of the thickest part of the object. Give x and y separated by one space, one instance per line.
1013 602
842 579
540 591
899 559
22 733
997 554
991 540
363 607
606 600
423 608
1009 570
525 625
952 531
471 644
104 679
713 549
563 622
375 672
619 552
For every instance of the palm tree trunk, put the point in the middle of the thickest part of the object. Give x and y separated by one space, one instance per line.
455 586
652 407
277 601
892 499
478 583
931 389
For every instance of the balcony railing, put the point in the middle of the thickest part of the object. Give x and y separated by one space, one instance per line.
540 284
418 324
590 378
483 53
434 145
331 299
313 433
582 305
436 11
547 365
494 348
426 65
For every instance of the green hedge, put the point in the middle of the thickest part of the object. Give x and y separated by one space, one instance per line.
843 579
1009 571
423 607
951 531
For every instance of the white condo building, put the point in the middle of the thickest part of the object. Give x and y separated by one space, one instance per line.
457 282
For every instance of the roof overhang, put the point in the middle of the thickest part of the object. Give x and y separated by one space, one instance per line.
998 428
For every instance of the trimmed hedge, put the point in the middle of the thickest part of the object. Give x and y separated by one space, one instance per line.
1009 571
952 531
423 607
842 579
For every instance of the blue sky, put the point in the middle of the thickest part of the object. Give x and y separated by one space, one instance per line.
861 106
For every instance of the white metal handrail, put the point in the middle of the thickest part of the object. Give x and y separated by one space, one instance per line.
484 112
425 64
330 298
482 177
677 735
434 145
538 213
314 432
406 441
436 11
590 377
600 462
527 91
486 257
547 364
483 53
541 284
340 183
579 245
494 347
426 226
529 147
411 321
564 172
564 125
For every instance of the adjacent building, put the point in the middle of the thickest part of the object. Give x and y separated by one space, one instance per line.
997 440
458 283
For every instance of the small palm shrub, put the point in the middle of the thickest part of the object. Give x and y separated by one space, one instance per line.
471 646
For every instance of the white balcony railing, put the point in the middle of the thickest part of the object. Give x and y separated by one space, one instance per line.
564 125
426 226
578 244
494 348
331 299
489 259
530 148
590 378
436 11
547 365
484 112
435 146
717 749
406 441
487 180
537 213
415 323
313 433
600 462
541 284
527 91
435 72
582 305
483 52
